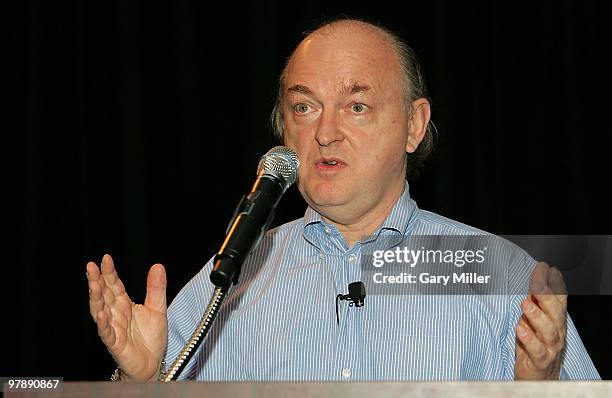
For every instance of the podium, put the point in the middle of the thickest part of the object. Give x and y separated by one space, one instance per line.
552 389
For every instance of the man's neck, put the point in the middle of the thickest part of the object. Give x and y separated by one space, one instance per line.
354 230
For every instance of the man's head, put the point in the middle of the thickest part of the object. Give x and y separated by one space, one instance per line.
352 105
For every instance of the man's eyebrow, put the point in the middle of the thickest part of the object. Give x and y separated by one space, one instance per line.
354 88
298 88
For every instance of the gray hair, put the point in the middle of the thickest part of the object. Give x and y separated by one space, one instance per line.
412 84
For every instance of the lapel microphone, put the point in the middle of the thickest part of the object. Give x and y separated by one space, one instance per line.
355 296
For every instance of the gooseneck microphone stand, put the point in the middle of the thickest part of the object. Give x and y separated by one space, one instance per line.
197 337
277 170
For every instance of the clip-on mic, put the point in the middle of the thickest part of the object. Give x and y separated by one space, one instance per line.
355 296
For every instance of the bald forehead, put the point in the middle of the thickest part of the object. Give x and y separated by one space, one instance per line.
351 27
349 43
365 35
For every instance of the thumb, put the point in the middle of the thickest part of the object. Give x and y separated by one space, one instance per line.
156 289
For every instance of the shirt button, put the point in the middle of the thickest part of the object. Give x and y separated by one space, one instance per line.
352 258
327 230
346 373
321 255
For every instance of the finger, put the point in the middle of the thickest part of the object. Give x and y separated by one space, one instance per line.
557 285
105 331
548 287
535 349
539 278
519 349
109 296
547 280
111 278
554 308
92 271
96 301
540 323
156 288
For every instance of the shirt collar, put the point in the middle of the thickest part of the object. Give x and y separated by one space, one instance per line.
402 213
397 222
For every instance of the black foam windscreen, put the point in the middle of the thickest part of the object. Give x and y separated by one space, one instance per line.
357 293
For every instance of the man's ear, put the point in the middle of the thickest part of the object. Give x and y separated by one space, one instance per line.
421 113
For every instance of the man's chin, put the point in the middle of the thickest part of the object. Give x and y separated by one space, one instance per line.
322 201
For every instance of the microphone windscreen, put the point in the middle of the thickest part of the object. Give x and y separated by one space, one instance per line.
357 291
281 161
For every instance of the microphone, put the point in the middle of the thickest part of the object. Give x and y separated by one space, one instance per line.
357 293
277 171
355 296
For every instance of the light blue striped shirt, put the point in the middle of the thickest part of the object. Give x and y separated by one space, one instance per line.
279 322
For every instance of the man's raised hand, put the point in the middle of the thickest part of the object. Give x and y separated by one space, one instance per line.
134 334
541 330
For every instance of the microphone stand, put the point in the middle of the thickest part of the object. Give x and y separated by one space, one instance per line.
197 336
277 170
229 261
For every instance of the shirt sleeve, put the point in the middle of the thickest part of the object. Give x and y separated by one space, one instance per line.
577 364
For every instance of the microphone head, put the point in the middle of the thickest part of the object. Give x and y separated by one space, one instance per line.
280 161
357 293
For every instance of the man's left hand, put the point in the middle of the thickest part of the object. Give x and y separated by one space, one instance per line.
541 330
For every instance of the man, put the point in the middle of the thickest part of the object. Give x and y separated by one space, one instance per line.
352 106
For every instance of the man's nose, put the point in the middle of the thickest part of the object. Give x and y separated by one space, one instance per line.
328 130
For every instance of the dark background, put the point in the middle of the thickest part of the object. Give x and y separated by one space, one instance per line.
134 128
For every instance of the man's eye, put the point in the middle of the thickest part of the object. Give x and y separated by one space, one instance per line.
301 108
359 108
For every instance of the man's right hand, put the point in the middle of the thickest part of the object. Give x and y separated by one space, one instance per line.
134 334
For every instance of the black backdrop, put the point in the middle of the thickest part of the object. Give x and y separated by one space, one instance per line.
134 127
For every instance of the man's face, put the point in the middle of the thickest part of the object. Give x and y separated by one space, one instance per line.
346 119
